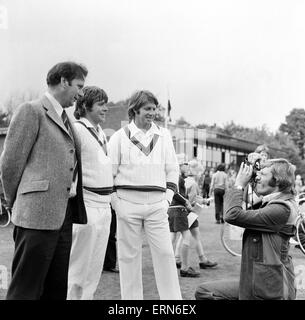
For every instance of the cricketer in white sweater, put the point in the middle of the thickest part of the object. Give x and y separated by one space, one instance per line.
144 162
146 172
89 241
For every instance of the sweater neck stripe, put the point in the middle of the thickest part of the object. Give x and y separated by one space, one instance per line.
146 150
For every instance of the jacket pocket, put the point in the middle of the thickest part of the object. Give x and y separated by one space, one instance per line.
267 281
34 186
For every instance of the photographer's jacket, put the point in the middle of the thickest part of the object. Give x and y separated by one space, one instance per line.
266 267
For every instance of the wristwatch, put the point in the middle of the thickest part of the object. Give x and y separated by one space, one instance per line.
239 188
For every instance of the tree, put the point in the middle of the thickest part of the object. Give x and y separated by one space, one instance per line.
14 100
4 119
160 114
207 126
259 134
281 144
182 122
295 128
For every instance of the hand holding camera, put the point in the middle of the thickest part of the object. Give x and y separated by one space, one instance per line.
244 175
255 160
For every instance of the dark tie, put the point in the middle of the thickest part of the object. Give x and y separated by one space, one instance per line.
65 120
67 125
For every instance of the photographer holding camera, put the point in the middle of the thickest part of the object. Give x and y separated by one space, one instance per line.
256 159
266 267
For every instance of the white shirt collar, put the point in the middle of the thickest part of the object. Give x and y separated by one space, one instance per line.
57 106
90 125
152 130
270 197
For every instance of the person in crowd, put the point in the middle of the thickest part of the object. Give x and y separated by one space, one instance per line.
298 184
41 174
90 241
212 171
219 185
146 172
206 184
110 262
264 151
194 196
178 224
231 178
267 271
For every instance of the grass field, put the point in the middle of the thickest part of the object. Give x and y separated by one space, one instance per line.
228 265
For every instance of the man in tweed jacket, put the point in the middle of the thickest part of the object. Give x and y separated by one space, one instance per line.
42 182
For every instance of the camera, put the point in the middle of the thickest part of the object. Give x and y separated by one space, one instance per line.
253 159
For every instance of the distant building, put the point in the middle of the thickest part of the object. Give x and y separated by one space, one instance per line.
208 146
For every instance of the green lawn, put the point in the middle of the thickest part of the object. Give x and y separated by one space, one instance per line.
228 266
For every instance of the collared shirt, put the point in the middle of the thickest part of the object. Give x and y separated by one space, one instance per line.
270 197
59 110
98 130
143 137
57 106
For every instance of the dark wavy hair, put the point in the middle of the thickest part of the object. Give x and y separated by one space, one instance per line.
91 95
68 70
221 167
138 100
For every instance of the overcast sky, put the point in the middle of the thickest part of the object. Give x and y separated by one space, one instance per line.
220 60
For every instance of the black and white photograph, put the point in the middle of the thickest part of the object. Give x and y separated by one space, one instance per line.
152 153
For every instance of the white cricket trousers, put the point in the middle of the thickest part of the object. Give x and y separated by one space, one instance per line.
132 219
89 243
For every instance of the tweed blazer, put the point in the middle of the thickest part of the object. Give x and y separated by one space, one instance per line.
37 168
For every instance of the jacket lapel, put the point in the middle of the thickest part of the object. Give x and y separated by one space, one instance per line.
53 115
76 139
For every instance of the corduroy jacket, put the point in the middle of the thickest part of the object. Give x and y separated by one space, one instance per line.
267 271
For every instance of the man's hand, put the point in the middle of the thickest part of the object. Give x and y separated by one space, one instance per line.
188 205
244 175
198 199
